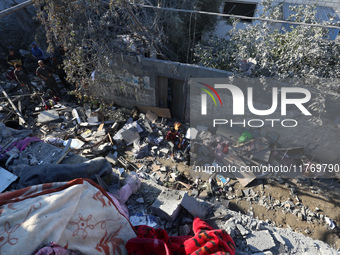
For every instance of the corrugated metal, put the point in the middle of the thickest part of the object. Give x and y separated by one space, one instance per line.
323 14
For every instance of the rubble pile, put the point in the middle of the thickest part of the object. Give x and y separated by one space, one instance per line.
108 145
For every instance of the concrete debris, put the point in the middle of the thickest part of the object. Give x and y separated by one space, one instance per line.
260 241
135 142
151 116
167 204
194 207
48 116
75 143
191 133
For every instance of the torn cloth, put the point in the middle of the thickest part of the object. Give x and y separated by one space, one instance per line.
205 242
21 145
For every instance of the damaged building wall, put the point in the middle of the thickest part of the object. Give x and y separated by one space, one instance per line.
130 81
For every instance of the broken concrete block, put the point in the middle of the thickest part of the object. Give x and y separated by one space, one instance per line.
151 116
194 207
111 158
191 133
75 143
48 116
130 135
165 151
92 119
260 241
243 230
168 204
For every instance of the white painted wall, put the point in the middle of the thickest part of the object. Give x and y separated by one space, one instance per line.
221 28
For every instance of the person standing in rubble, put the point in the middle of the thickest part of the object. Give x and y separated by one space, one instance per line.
23 79
174 139
58 67
46 73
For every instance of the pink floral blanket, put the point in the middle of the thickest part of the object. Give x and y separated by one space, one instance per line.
78 215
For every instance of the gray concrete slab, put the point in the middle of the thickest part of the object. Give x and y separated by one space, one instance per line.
260 241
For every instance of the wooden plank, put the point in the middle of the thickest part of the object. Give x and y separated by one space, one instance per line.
243 177
21 118
160 112
100 128
64 153
19 108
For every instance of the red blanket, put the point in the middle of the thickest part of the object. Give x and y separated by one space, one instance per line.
206 241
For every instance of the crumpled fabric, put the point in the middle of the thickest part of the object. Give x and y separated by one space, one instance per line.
206 241
55 249
21 145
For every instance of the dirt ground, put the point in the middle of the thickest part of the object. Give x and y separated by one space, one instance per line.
321 196
326 202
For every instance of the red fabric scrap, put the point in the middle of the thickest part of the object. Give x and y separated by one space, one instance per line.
157 242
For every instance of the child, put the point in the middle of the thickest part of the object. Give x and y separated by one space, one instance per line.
23 79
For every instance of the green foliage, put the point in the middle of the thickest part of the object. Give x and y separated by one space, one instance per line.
181 31
304 53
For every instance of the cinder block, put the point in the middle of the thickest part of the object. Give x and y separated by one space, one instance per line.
194 207
168 204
